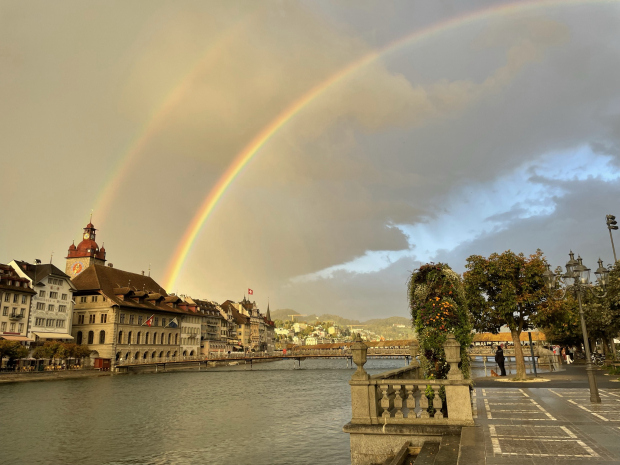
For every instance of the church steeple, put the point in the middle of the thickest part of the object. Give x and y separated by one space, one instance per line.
86 253
268 312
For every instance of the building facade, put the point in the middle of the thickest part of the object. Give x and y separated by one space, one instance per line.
86 253
51 308
15 298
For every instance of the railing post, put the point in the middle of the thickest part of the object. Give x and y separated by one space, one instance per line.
361 394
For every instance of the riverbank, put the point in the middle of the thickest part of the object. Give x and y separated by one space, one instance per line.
51 375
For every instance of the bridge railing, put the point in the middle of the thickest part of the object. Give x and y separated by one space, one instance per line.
401 397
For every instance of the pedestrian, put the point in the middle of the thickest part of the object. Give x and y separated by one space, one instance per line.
499 359
569 356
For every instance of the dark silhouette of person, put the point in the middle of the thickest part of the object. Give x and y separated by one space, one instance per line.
499 359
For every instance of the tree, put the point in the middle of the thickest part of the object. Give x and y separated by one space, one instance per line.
438 307
12 349
509 290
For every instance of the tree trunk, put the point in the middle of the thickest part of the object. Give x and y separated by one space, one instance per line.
605 347
516 340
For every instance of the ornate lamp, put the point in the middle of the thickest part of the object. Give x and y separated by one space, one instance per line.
602 274
549 277
581 272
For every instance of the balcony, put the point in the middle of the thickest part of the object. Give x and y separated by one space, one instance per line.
15 316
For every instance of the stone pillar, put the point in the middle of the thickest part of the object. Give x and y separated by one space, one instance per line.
414 349
361 390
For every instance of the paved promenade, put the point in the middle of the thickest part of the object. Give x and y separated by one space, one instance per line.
544 423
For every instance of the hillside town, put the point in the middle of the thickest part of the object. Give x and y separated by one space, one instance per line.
116 315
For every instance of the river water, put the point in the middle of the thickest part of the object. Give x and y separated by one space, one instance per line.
272 415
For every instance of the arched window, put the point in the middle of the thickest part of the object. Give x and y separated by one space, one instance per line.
138 337
146 338
168 354
129 337
78 338
162 338
137 356
127 356
161 354
174 354
169 338
120 337
176 340
153 355
102 337
118 356
146 354
91 337
191 353
185 353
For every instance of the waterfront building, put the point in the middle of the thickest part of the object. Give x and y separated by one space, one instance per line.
243 329
191 327
310 341
86 253
229 332
270 328
15 298
213 341
51 307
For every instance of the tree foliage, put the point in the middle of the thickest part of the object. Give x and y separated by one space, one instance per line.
12 350
438 307
509 289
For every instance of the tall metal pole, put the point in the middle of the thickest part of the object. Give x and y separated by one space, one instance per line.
594 397
612 245
529 335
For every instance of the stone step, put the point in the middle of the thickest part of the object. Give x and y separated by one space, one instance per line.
448 450
428 454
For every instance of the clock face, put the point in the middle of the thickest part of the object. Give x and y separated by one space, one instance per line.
86 236
77 268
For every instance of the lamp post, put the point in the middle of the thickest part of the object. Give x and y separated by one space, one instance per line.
611 224
577 280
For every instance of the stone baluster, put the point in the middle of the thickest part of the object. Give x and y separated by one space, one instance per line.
423 402
410 401
437 404
398 401
385 401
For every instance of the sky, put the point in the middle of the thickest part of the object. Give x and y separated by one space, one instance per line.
498 132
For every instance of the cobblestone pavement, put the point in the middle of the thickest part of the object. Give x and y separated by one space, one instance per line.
546 426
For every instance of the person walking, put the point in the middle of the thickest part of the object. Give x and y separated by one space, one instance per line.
569 355
499 359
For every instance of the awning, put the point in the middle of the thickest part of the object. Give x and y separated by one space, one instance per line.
53 335
16 338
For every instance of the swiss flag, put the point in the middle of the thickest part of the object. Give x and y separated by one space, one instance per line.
250 291
149 321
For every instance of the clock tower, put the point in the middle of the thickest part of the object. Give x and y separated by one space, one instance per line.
87 253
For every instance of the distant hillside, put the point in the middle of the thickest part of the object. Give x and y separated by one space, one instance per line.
384 326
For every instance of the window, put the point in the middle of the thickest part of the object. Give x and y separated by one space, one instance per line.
131 319
40 306
49 322
91 337
140 320
53 295
176 340
101 337
3 326
104 317
83 300
50 281
12 327
62 308
138 337
50 308
81 319
91 318
60 323
42 294
146 338
162 338
15 298
129 338
22 311
169 337
23 299
21 327
5 311
163 323
7 297
39 321
78 338
63 297
94 298
155 321
120 337
122 318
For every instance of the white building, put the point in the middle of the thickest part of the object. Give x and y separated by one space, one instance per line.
311 341
51 308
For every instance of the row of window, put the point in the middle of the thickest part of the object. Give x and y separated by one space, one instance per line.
161 339
11 327
93 298
92 318
7 298
129 356
131 319
5 311
54 281
91 337
53 295
49 322
51 307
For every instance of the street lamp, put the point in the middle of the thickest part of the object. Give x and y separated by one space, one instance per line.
577 280
611 224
